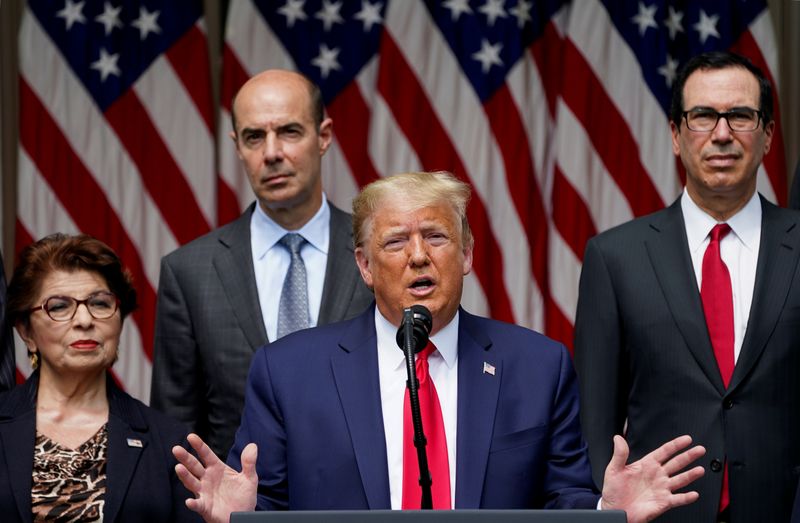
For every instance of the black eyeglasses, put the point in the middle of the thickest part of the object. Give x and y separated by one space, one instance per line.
101 305
705 120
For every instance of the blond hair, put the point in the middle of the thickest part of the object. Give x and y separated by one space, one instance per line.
415 190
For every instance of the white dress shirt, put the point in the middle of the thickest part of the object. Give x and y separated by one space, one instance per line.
443 370
271 262
739 250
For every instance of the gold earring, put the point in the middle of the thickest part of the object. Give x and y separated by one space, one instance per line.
34 357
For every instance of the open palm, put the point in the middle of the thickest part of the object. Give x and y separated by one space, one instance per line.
646 488
218 489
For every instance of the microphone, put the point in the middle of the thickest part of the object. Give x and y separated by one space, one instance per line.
418 319
412 337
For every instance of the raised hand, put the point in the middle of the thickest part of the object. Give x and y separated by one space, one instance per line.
218 489
646 488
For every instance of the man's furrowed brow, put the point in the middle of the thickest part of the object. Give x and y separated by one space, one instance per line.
249 131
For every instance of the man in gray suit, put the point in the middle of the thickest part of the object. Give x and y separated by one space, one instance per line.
688 320
227 293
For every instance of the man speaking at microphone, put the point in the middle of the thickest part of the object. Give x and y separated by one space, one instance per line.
325 423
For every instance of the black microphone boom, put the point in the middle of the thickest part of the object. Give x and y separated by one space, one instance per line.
412 337
422 323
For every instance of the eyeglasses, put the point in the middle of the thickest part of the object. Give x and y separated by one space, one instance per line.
706 120
101 305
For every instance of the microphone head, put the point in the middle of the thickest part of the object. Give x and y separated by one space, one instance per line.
422 322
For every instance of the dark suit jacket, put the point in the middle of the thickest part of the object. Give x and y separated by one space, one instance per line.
209 323
141 482
796 510
643 354
794 190
8 365
313 407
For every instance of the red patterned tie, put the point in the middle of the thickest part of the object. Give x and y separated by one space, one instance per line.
433 425
717 295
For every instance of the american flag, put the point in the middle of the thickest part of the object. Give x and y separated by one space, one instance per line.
117 140
554 111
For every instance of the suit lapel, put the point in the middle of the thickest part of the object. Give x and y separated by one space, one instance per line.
340 278
355 370
17 439
477 403
126 442
777 262
234 266
669 254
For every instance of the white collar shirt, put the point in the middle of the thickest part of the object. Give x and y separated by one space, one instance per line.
271 262
443 370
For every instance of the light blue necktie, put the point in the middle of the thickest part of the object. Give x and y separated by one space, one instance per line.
293 307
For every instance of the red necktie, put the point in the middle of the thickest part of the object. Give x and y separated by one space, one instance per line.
717 295
433 426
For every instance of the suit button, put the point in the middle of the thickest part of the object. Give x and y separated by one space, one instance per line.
727 404
716 465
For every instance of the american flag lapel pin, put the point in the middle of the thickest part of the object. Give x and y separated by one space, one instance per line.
488 368
132 442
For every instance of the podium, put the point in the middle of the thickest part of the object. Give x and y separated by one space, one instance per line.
432 516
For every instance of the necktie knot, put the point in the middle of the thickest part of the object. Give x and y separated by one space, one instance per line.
427 351
293 242
719 231
422 362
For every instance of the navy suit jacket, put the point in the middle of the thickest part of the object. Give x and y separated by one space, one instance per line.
141 483
313 407
796 511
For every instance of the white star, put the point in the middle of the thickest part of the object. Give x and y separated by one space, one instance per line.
329 14
646 17
674 22
522 12
669 70
457 7
493 9
146 23
370 14
293 11
489 55
72 13
106 64
707 26
327 60
110 17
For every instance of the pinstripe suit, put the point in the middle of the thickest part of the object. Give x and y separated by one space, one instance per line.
643 355
209 323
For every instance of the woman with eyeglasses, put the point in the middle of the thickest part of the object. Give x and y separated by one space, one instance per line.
73 445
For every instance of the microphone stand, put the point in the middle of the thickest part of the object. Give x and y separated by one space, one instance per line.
413 394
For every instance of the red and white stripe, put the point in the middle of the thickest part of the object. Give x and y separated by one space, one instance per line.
139 176
596 145
614 142
573 143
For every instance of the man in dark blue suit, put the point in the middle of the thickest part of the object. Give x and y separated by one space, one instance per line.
325 405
